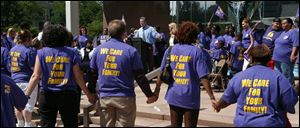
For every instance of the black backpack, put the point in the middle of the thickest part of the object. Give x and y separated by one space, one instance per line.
166 75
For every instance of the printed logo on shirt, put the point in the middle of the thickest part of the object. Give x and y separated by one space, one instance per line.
270 34
254 99
6 89
14 61
247 35
57 73
110 67
179 73
285 37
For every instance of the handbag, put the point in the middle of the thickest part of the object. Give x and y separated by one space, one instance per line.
166 74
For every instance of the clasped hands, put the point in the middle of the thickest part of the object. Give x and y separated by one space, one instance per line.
154 97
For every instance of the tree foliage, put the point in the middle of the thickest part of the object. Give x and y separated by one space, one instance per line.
58 12
13 13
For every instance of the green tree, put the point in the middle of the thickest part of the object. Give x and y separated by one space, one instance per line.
15 12
58 13
94 28
30 11
91 16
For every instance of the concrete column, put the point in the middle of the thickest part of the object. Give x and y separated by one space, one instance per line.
72 17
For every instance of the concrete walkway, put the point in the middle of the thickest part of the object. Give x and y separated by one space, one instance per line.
207 116
158 114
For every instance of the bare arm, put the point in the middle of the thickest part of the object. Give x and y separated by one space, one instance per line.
293 56
145 86
230 59
158 84
220 105
143 82
80 81
35 77
207 87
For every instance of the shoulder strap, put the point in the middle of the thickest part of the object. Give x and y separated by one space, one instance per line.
169 55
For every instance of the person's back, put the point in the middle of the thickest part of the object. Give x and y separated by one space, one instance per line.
57 64
22 62
116 64
263 96
188 65
237 50
11 96
116 73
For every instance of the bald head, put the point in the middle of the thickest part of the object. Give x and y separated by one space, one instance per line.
116 28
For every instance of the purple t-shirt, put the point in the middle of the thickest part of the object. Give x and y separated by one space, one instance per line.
82 40
263 97
270 36
188 66
5 61
116 62
246 38
8 42
203 41
237 51
228 40
57 68
213 44
11 96
284 44
219 54
22 62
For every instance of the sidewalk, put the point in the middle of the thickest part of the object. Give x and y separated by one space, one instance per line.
207 116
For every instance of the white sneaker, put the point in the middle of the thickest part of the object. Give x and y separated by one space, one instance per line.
29 124
20 124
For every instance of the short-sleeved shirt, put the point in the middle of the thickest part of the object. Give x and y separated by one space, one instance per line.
203 41
147 32
116 62
188 66
5 61
284 45
8 42
11 96
82 40
219 54
246 38
22 62
237 51
57 68
270 36
263 97
228 40
213 43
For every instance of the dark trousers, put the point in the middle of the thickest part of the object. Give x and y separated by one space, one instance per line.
147 59
158 59
190 116
65 102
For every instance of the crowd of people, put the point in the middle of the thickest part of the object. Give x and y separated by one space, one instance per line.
56 66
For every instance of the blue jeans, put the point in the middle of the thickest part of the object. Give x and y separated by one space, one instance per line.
286 69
